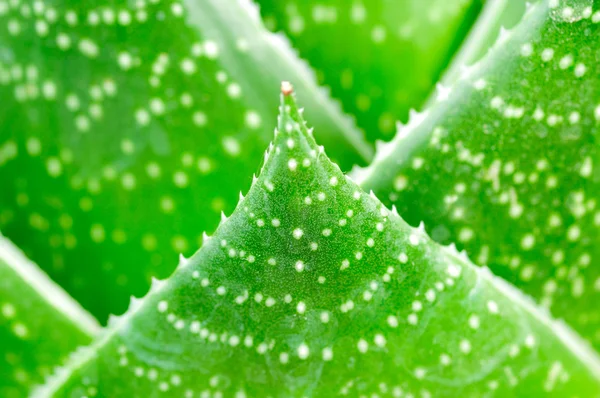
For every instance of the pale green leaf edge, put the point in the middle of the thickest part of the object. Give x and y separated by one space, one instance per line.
48 290
496 17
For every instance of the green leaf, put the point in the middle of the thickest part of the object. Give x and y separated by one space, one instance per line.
495 17
39 323
507 165
121 120
313 288
380 57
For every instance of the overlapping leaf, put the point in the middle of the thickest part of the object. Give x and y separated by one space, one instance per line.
39 324
120 120
507 165
380 57
314 288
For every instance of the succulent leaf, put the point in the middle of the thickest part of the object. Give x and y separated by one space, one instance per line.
506 165
39 323
313 288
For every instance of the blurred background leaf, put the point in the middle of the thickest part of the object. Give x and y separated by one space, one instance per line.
40 325
380 57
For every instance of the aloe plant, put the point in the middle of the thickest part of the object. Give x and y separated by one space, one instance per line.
39 323
109 142
505 163
311 282
127 130
401 47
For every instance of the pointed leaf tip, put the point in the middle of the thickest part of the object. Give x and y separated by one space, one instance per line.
286 88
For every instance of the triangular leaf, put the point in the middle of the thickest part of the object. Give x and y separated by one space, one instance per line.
507 165
120 120
313 288
39 324
380 57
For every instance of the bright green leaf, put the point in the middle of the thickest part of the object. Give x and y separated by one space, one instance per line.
314 288
119 121
380 57
495 17
508 165
39 324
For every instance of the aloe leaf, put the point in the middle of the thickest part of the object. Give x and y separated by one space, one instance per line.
313 288
380 57
120 120
506 164
495 17
39 323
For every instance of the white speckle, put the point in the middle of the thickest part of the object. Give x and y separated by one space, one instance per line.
231 146
565 61
580 70
292 164
547 54
527 241
474 321
413 239
327 354
54 167
303 351
586 167
392 321
162 306
177 9
412 319
362 346
453 270
284 357
211 50
299 266
199 118
380 340
234 90
465 346
526 49
480 84
430 295
345 264
125 60
298 233
529 341
188 66
417 306
88 48
492 307
301 307
420 373
253 119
